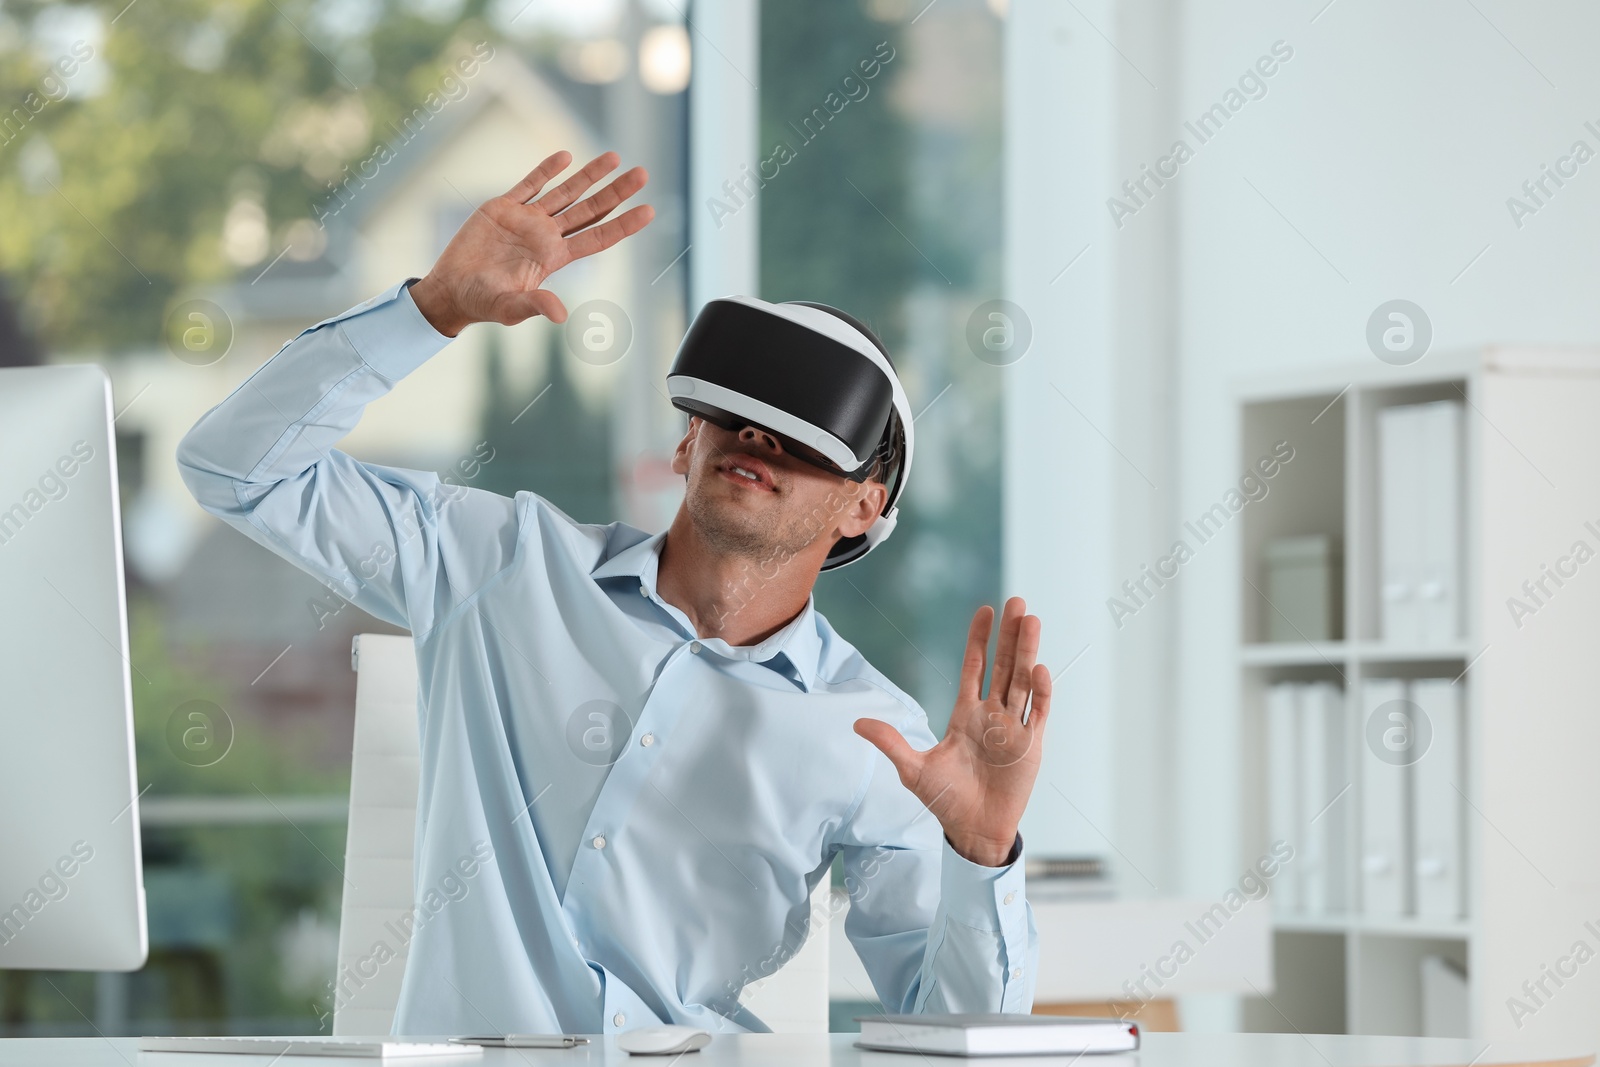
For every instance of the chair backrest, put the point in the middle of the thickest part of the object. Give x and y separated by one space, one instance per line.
794 998
378 895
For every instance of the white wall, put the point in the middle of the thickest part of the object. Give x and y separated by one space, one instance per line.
1391 141
1089 447
1377 166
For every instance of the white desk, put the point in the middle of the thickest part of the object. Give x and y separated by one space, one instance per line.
837 1050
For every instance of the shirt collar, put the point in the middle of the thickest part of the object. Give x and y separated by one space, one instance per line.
793 651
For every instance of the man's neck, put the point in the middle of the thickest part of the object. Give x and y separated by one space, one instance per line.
740 599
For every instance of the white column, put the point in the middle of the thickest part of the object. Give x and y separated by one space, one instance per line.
1088 440
723 102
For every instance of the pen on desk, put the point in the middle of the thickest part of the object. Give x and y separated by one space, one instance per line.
525 1040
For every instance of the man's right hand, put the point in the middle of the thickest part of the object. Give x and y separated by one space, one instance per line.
493 267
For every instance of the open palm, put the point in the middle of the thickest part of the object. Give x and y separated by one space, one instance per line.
977 780
494 267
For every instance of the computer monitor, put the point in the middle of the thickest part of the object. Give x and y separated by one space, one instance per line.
71 882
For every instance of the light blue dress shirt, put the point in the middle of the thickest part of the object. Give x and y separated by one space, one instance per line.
655 808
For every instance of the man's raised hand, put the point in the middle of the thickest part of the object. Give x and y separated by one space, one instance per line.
977 780
494 267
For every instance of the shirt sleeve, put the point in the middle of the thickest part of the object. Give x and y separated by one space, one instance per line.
935 931
403 545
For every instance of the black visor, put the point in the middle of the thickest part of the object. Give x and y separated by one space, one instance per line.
740 366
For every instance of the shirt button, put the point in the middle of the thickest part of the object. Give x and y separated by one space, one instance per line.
647 740
599 841
1017 973
694 646
618 1019
643 591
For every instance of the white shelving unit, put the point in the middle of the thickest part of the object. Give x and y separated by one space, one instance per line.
1532 480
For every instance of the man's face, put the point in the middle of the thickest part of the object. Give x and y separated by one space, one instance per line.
748 496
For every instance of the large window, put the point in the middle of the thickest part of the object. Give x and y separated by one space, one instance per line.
266 164
880 155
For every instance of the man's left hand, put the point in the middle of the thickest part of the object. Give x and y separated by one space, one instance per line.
977 780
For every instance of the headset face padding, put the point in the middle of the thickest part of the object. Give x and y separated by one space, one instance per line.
810 378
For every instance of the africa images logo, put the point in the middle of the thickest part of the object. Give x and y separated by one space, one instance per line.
52 886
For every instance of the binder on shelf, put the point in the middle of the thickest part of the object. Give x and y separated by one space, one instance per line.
1420 521
1324 788
1398 524
1438 780
1439 469
1283 794
1385 807
1444 525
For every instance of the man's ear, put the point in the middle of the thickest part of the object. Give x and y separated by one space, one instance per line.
863 508
680 455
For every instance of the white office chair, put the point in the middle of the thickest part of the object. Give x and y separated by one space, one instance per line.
379 842
378 858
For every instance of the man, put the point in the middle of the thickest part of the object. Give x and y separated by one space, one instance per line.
644 768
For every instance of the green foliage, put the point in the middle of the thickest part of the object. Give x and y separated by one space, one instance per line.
206 100
221 896
868 210
277 762
823 230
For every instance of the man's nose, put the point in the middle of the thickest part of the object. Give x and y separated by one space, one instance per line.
752 435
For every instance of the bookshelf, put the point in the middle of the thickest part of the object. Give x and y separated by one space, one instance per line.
1532 738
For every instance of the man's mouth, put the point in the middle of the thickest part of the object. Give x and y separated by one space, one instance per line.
747 471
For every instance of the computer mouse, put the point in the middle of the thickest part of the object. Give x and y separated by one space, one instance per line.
663 1040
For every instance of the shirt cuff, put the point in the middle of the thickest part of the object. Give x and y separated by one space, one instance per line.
390 333
978 896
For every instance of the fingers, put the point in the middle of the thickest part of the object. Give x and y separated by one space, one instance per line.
1005 656
1042 686
529 187
891 743
977 655
568 191
601 204
1027 655
525 305
599 238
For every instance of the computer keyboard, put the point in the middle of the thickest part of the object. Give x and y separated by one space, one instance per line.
363 1047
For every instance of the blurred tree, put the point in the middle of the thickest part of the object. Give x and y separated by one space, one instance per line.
847 221
222 895
278 764
17 346
870 207
820 238
115 200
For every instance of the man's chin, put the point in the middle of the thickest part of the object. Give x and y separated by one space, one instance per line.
737 518
737 526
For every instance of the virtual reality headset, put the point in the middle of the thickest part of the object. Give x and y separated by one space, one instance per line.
808 375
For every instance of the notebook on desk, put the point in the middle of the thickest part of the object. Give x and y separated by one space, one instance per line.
978 1034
